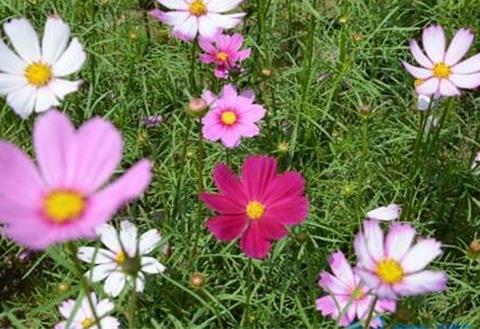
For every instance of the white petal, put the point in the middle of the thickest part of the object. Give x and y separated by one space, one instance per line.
100 272
66 308
109 237
447 88
175 4
23 100
101 255
421 254
108 322
221 6
114 284
10 83
151 265
423 102
149 241
71 60
227 21
104 307
470 65
388 213
428 87
374 239
24 39
140 282
61 87
207 27
9 61
434 42
55 39
128 237
45 100
187 30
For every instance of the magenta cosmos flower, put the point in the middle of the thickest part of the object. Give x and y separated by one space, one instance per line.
392 266
258 206
441 72
63 196
347 294
192 17
224 51
231 116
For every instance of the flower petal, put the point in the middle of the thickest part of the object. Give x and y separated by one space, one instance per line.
55 39
149 241
110 238
128 237
229 184
387 213
448 89
114 284
374 239
434 43
420 255
418 72
9 61
151 265
466 81
398 241
102 256
174 4
341 268
419 55
222 6
428 87
253 244
470 65
23 100
100 272
421 283
228 227
459 46
71 60
46 99
257 174
24 39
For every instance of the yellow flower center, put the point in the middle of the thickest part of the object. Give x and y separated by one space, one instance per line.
222 56
120 258
229 118
63 206
38 74
357 293
390 271
418 82
197 8
255 210
87 323
441 71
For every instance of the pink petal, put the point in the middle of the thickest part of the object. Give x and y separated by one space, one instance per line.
341 268
398 241
428 87
374 239
290 211
466 81
253 244
270 229
228 184
53 137
418 72
231 138
222 204
236 41
253 113
386 305
448 89
228 227
249 130
213 132
207 45
370 279
422 283
333 285
434 43
365 260
257 173
327 306
422 254
459 46
419 55
470 65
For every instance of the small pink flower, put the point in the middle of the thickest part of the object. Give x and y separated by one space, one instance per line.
231 116
64 196
348 295
224 51
441 72
192 17
393 266
258 206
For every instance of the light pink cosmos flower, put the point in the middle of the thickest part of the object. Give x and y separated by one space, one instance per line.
256 207
224 51
204 17
231 116
393 266
64 196
441 72
347 295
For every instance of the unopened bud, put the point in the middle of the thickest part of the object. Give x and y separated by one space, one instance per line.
197 280
266 73
63 287
197 107
475 246
283 147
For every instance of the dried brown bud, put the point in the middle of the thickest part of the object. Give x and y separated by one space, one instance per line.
475 246
197 280
266 73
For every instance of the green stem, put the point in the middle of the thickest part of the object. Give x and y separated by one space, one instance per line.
193 66
83 282
133 305
370 313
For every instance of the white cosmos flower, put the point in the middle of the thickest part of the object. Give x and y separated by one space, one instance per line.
125 258
82 317
476 164
32 78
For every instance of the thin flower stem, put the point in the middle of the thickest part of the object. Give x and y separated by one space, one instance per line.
133 304
193 66
370 313
83 282
200 186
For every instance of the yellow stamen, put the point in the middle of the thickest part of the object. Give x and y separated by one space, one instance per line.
418 82
87 323
229 118
441 71
357 293
255 210
197 8
390 271
63 206
38 74
120 258
222 56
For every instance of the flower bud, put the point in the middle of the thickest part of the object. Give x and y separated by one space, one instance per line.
266 73
283 147
475 246
63 287
197 280
197 107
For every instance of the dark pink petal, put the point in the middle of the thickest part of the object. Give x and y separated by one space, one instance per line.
290 211
236 41
287 185
253 244
270 229
20 181
227 227
53 138
228 184
222 204
206 45
257 173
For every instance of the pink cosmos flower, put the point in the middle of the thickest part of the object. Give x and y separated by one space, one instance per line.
347 295
192 17
224 51
63 195
441 72
392 266
258 206
231 116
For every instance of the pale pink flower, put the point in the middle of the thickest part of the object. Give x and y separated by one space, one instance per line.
224 51
393 265
206 18
63 195
347 294
231 116
441 71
